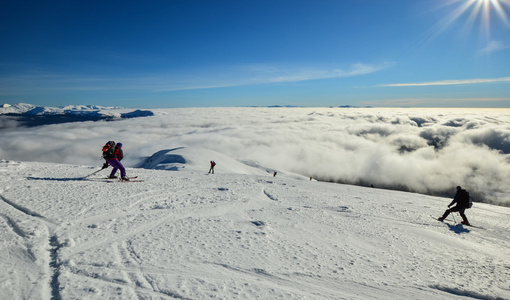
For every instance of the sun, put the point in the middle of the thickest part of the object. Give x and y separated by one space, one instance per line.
485 8
480 12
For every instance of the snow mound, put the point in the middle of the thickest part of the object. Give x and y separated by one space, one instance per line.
198 160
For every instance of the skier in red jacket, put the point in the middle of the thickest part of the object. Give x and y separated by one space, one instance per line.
212 167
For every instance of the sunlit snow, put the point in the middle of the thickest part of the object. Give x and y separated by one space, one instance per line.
241 233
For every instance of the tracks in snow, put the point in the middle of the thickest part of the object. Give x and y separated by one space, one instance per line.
20 208
53 267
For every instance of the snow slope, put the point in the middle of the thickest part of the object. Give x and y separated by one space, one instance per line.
238 234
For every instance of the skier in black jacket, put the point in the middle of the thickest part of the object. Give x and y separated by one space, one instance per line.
462 200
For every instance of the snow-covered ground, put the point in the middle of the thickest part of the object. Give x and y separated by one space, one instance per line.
238 234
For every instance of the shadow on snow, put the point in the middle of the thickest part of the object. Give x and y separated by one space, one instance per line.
458 228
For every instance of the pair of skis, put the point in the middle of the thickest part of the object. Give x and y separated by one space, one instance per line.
131 179
454 222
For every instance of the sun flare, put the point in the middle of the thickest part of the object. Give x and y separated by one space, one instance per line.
480 12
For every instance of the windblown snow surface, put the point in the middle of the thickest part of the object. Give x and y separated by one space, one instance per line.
238 234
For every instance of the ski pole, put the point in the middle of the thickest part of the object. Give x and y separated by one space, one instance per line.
96 171
453 215
92 173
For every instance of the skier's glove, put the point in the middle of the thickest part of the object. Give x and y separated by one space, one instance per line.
105 165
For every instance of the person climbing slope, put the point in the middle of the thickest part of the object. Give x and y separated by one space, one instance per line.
213 164
463 202
113 154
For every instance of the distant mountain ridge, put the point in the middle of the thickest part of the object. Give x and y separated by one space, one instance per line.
30 109
29 115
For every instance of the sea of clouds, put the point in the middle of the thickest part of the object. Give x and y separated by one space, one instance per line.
428 151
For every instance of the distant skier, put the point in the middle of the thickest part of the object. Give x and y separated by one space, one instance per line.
463 202
274 174
213 164
113 155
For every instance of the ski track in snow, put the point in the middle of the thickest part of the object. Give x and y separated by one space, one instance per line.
31 250
186 235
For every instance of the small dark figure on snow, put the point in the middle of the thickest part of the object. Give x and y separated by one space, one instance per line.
462 200
274 174
211 170
113 158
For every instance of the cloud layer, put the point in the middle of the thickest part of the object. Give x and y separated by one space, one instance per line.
450 82
420 150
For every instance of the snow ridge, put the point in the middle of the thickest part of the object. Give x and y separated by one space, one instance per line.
30 109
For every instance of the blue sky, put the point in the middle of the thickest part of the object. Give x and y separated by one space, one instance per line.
186 53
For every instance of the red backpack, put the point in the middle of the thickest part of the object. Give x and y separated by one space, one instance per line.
109 150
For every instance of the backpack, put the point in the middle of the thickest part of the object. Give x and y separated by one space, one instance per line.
109 150
464 199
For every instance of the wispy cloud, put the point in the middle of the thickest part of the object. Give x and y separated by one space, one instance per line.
267 74
314 74
208 78
421 102
449 82
493 46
